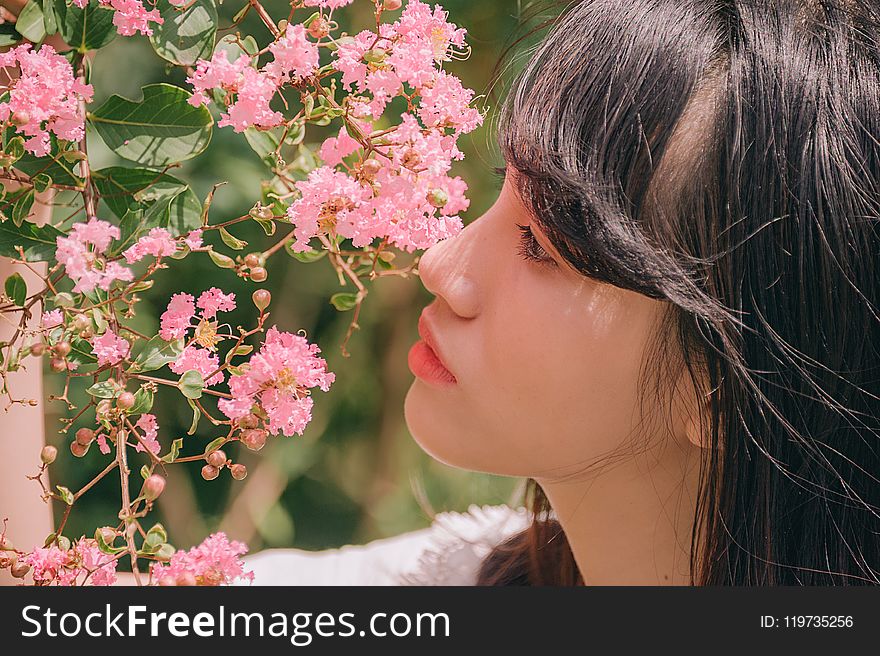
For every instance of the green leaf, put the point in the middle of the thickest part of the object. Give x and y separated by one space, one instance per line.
30 22
156 354
162 128
9 36
305 256
85 29
191 384
81 352
185 36
164 552
230 240
41 182
344 301
124 188
38 242
16 289
106 389
213 445
22 207
143 402
145 472
197 414
222 261
176 445
66 495
264 143
156 536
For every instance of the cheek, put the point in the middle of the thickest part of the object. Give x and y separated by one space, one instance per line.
565 363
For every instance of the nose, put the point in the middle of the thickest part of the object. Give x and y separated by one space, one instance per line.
450 270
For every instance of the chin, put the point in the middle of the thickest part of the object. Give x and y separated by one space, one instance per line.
438 431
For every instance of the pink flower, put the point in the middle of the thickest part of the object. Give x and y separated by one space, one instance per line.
294 55
213 300
150 427
81 252
101 440
157 242
130 16
277 377
201 360
194 238
215 561
219 72
47 562
251 106
92 559
327 4
324 190
335 148
45 98
445 103
109 348
51 319
175 321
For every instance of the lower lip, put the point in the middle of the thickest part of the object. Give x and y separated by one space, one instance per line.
425 364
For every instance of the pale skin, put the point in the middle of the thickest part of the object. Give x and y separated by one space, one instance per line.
547 365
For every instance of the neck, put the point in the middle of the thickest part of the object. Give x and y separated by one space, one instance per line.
630 523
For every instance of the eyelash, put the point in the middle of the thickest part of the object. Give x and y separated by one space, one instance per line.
530 249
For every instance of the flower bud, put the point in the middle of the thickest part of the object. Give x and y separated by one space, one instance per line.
85 436
81 322
107 534
391 5
153 487
125 401
319 28
249 421
411 159
20 118
57 365
48 454
167 580
438 198
254 260
20 570
87 333
187 578
62 349
104 406
370 168
261 299
77 449
259 274
238 471
254 438
216 458
210 472
38 349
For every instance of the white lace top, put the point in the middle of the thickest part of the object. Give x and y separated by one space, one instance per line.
449 552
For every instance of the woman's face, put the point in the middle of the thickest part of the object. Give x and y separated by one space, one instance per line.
545 361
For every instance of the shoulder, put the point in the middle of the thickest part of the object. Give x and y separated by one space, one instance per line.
449 552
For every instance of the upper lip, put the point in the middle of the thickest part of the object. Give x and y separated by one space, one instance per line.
426 332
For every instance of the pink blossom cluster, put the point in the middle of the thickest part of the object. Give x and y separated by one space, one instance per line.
130 16
82 252
215 561
65 566
252 89
277 378
45 98
110 348
408 198
185 312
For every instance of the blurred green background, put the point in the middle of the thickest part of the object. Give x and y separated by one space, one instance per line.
356 474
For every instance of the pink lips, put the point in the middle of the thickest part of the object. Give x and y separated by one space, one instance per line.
425 361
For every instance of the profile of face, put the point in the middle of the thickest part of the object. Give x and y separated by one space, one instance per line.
545 361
